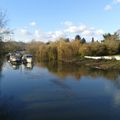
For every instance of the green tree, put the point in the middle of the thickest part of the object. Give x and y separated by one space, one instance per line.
93 40
83 40
77 37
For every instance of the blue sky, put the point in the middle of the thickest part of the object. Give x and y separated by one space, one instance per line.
50 19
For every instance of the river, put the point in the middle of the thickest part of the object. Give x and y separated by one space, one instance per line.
52 91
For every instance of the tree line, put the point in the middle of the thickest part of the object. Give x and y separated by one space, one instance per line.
64 49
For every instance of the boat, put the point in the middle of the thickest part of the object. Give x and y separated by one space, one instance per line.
8 55
28 66
14 58
27 58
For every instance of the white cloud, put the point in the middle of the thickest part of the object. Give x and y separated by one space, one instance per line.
48 36
92 28
72 29
75 29
69 29
37 33
82 28
99 32
87 33
2 30
33 24
52 36
84 31
24 32
116 1
108 7
40 35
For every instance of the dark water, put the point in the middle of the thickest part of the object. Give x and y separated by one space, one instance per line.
54 91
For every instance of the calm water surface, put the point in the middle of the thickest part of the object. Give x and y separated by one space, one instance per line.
58 92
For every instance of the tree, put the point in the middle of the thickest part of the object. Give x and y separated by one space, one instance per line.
77 37
3 23
83 41
93 40
3 20
107 36
67 40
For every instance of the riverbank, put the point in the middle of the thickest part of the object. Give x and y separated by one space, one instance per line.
96 64
101 64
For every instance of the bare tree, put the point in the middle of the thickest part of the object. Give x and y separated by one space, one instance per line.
3 23
3 20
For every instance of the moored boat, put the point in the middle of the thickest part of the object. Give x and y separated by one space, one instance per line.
27 58
14 58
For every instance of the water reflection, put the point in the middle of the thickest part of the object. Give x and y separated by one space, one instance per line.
1 67
64 70
4 102
58 91
9 104
1 64
14 65
27 66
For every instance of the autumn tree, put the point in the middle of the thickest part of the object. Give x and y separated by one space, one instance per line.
110 37
85 50
107 36
112 43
